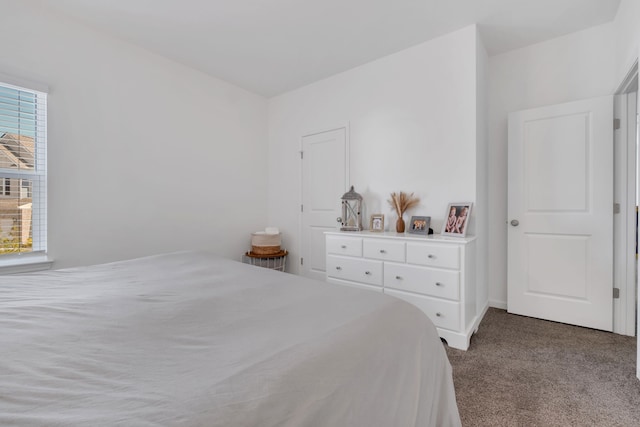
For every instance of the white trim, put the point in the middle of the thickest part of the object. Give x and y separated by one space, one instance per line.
624 307
323 130
347 131
636 241
38 175
620 219
347 136
24 263
630 301
20 83
498 304
630 80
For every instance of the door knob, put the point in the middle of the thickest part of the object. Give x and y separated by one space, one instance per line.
339 219
515 222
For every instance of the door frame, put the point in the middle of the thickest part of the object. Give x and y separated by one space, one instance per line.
347 163
625 172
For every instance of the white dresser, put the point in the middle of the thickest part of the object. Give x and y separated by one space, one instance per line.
434 273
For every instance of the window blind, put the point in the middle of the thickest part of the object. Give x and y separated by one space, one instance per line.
23 173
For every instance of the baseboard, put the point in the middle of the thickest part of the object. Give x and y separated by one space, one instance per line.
498 304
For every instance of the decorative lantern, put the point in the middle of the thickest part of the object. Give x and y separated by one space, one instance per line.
351 211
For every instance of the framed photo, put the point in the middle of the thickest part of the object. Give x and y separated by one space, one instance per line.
456 219
376 223
419 225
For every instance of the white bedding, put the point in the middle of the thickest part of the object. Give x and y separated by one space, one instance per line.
188 339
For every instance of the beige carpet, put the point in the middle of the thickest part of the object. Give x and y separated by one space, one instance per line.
521 371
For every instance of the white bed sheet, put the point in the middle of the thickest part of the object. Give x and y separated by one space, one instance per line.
189 339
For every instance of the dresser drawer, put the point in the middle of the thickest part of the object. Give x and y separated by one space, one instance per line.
423 280
443 314
386 250
341 245
444 256
358 270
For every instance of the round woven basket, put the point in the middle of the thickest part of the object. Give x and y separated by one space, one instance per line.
265 244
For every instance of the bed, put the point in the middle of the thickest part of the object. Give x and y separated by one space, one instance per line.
189 339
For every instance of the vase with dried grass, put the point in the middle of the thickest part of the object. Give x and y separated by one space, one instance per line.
400 202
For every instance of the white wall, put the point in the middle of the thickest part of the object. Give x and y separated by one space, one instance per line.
581 65
145 155
412 119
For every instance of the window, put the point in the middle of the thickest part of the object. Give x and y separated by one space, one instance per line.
23 177
25 188
5 188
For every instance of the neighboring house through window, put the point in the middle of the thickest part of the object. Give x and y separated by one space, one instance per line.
23 178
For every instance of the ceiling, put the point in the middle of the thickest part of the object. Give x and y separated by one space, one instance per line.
273 46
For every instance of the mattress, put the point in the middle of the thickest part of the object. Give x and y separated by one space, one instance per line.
189 339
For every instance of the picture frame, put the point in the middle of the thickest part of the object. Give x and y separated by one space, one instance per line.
419 225
376 223
456 219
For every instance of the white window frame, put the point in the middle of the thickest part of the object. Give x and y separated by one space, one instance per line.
38 258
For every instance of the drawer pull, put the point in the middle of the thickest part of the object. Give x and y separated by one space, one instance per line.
431 256
338 268
382 251
368 273
438 284
398 277
343 246
438 314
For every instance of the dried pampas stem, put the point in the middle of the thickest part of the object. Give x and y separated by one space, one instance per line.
400 202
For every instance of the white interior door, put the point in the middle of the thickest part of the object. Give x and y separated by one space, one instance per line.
560 193
324 181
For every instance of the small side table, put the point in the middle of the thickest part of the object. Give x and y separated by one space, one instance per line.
275 261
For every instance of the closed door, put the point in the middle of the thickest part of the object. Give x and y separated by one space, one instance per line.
324 181
560 193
